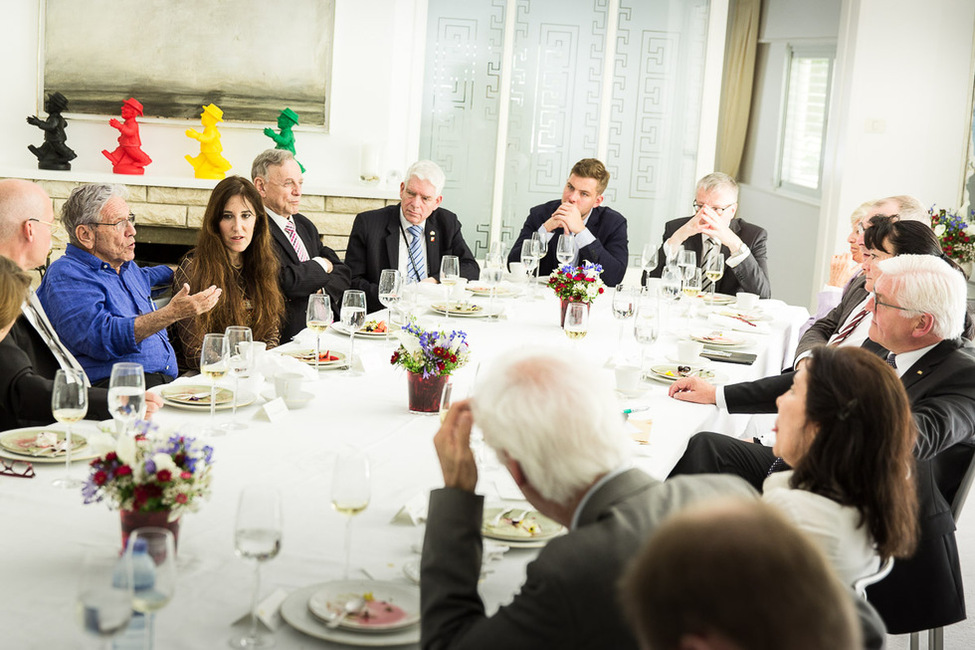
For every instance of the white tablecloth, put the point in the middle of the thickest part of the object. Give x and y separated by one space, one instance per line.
46 530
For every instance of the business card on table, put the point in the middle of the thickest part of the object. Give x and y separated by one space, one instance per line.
728 356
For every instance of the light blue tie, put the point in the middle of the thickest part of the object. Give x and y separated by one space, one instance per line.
418 267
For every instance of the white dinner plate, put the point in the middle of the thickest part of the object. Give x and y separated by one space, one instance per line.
330 599
499 292
342 329
718 339
534 528
243 399
307 357
78 453
295 612
667 372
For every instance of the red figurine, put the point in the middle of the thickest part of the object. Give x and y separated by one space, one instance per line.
128 157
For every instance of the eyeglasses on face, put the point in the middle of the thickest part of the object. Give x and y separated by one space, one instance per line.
877 302
719 210
119 225
49 224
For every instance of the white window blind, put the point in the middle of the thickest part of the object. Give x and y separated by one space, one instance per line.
804 124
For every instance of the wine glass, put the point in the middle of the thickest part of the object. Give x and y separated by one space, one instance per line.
623 306
576 320
670 280
240 358
529 257
126 395
714 271
445 400
565 250
687 261
350 491
646 326
390 292
151 595
257 536
104 594
353 318
213 366
692 283
495 256
540 251
318 316
648 259
449 275
69 403
491 277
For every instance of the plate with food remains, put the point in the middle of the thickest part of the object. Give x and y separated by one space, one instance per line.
382 606
718 299
462 309
295 612
718 339
373 329
519 526
327 359
485 291
43 444
196 397
670 372
757 316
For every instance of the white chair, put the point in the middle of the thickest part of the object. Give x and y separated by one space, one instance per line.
860 586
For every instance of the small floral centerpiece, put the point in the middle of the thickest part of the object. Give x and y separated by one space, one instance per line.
577 284
956 236
151 480
429 356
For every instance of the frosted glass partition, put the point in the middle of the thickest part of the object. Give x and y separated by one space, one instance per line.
555 109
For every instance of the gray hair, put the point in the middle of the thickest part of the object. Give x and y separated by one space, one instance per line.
269 158
908 208
427 170
85 204
929 285
714 180
559 420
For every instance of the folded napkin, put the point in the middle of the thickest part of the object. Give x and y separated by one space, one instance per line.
414 512
274 364
739 324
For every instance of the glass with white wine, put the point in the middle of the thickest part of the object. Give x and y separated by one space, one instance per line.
449 276
714 271
576 320
69 403
353 319
350 491
126 395
257 536
213 366
692 283
318 317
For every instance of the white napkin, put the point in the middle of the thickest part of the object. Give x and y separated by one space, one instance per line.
414 511
274 364
727 322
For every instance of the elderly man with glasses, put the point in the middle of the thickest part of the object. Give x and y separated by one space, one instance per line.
99 300
713 230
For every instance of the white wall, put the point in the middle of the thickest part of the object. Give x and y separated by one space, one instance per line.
377 56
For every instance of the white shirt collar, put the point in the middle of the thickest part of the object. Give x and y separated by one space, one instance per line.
595 488
905 360
280 221
406 225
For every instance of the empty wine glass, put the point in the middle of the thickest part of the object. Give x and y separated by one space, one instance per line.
449 275
69 403
240 359
670 281
350 491
318 316
714 271
126 395
491 277
494 259
565 250
576 320
648 259
623 306
353 319
104 594
529 258
390 292
213 366
646 325
151 596
687 261
257 536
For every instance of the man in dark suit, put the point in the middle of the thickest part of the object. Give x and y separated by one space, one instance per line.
600 232
714 229
527 405
918 316
412 237
32 352
307 265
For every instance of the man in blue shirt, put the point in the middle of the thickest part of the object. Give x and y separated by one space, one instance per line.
98 298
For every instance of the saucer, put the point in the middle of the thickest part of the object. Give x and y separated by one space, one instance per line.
301 400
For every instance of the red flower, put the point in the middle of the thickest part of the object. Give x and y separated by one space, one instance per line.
181 498
123 470
100 477
600 289
164 476
186 475
111 457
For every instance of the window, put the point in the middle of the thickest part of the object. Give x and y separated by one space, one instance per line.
809 71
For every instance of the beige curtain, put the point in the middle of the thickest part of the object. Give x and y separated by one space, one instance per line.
736 92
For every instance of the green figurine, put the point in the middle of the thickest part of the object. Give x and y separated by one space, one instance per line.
285 139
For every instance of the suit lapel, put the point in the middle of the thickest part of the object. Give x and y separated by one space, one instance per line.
618 488
392 238
284 242
431 230
927 363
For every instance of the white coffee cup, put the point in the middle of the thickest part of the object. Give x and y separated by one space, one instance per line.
747 302
627 377
288 385
689 351
517 272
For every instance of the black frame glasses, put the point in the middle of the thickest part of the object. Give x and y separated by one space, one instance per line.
717 210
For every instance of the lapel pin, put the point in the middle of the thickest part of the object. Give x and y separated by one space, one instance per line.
433 235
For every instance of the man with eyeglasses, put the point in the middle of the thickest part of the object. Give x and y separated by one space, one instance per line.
413 236
307 265
713 230
918 309
100 301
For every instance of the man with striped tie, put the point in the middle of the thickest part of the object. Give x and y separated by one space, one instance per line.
412 236
307 265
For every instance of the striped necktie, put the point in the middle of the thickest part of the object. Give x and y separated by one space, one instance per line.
289 230
34 312
778 465
418 267
711 250
852 325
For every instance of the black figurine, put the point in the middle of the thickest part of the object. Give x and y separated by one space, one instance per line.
53 154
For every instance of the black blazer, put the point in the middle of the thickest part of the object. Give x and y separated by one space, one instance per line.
299 279
821 331
610 248
925 590
751 275
374 246
27 369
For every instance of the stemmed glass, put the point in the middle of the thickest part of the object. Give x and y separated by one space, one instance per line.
529 258
318 316
126 395
449 275
623 306
576 320
257 536
353 318
445 400
539 253
692 283
350 491
213 366
105 594
648 259
390 290
240 358
491 277
687 261
670 281
69 402
565 250
714 271
495 256
151 596
646 327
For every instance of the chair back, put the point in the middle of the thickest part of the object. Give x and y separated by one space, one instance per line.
954 472
860 586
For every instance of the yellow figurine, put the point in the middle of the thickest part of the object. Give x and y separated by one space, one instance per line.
210 163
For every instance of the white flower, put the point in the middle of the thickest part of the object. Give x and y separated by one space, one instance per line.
126 449
970 230
163 461
940 229
410 342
